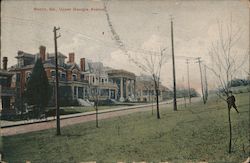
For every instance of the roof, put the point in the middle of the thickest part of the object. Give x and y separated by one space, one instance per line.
72 66
121 73
51 55
6 73
149 85
24 54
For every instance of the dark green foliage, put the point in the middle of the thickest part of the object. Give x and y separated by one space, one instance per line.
238 82
38 90
65 97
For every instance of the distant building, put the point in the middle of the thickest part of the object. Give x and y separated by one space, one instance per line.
7 90
126 82
97 76
145 89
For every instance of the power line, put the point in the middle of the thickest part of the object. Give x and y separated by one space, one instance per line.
68 30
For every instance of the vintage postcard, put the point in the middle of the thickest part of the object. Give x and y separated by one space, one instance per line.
124 81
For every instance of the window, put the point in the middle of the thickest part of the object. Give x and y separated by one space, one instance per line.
18 77
28 74
63 76
53 73
74 77
60 61
82 76
20 62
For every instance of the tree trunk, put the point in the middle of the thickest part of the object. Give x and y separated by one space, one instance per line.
157 104
96 115
152 108
21 106
230 131
157 98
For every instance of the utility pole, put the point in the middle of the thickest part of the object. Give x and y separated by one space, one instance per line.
0 36
174 81
184 92
189 92
206 87
58 129
202 89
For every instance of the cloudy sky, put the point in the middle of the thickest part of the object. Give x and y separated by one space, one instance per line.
143 27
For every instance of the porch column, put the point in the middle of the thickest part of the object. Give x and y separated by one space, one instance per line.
116 92
126 88
72 90
83 92
121 89
76 92
134 88
130 88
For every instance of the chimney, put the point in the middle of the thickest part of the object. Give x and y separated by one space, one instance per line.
82 64
19 52
42 50
71 58
5 61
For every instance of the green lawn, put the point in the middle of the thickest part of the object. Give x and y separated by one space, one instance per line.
198 133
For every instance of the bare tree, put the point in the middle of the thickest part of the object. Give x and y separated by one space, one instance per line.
94 87
225 63
151 62
153 65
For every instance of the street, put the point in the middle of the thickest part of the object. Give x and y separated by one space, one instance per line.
86 117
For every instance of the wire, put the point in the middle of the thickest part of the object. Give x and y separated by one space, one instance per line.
98 40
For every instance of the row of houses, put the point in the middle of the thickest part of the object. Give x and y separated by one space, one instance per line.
76 80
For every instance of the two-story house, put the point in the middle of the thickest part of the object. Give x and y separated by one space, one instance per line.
75 80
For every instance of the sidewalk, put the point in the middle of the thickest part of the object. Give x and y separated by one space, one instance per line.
5 124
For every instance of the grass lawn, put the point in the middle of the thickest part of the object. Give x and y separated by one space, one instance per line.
198 133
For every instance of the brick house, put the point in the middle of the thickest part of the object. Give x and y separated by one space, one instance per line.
7 90
74 79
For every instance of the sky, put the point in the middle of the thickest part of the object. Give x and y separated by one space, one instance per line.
142 25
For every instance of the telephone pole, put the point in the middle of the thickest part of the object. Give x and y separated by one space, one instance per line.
184 92
206 87
174 81
58 129
202 89
0 35
189 92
